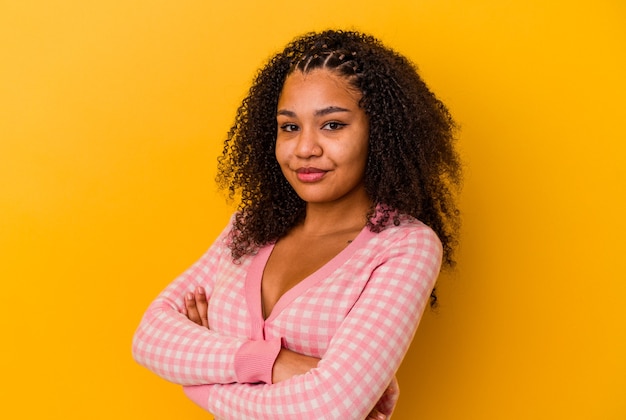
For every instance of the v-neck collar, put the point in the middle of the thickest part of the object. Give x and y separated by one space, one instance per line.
255 276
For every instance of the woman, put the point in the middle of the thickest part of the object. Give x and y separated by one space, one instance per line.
307 302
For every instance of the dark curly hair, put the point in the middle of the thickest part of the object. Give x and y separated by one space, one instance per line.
412 167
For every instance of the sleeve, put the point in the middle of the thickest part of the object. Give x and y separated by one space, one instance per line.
363 355
180 351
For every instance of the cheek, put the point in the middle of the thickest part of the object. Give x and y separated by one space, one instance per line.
281 151
358 154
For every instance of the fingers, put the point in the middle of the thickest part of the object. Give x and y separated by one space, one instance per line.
202 305
376 415
196 306
393 392
387 402
191 309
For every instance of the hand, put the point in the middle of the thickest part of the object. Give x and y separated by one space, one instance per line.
196 307
384 407
289 364
376 415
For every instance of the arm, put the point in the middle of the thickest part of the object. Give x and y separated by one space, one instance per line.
178 350
289 363
363 355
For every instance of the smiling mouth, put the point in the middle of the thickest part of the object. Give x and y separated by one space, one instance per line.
310 174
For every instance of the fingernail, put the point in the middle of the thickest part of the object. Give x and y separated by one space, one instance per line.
200 290
189 296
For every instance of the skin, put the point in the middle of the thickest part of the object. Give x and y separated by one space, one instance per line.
321 146
321 127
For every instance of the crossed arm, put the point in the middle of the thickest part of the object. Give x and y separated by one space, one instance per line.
289 363
362 356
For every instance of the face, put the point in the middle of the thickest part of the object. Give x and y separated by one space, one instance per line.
322 139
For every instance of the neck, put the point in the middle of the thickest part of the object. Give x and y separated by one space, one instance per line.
323 218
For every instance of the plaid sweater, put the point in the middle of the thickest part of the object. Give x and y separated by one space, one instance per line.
358 313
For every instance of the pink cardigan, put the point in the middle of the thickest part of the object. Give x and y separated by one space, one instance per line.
358 313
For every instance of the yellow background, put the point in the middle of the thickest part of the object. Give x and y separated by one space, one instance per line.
111 116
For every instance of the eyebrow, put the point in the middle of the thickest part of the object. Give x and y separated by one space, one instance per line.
319 113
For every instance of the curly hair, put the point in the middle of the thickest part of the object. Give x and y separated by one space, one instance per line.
412 166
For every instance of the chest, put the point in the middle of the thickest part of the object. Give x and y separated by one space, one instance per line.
306 316
294 259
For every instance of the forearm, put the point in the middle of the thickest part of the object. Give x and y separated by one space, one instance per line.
182 352
287 365
301 397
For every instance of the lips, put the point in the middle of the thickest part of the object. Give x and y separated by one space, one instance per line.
310 174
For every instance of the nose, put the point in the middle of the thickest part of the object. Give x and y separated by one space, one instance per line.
308 144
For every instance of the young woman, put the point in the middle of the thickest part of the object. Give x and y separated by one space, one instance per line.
307 302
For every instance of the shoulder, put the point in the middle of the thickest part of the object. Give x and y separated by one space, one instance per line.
411 245
410 235
409 254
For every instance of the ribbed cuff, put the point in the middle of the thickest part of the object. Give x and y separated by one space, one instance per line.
255 359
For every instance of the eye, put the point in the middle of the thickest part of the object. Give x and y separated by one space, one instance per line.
333 125
289 127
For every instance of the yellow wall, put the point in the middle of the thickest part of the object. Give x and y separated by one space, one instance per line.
112 114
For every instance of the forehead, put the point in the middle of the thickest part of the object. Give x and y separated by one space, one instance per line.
319 85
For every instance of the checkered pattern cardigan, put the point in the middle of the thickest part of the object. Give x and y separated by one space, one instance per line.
358 313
